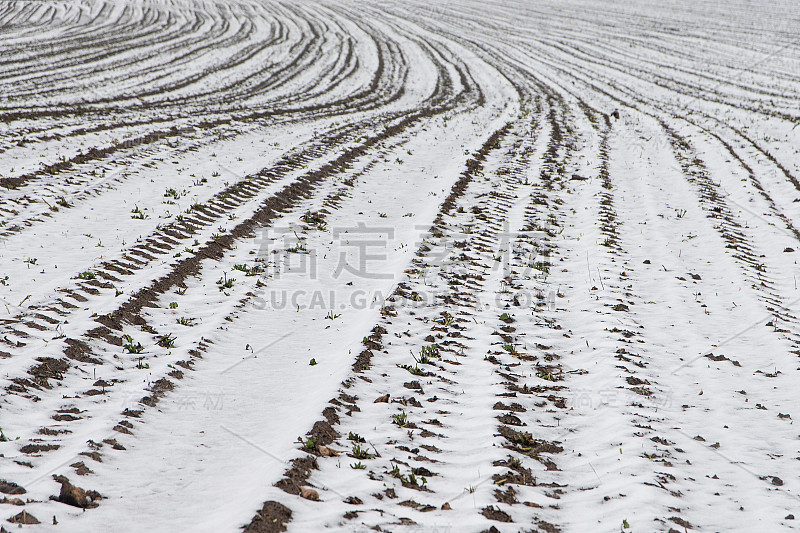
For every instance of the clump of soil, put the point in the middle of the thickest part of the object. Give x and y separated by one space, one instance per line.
493 513
272 518
8 487
76 496
24 518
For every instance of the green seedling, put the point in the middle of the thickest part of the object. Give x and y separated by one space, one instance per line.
167 341
314 219
138 213
429 352
224 282
400 419
541 266
415 370
129 345
355 437
360 453
545 374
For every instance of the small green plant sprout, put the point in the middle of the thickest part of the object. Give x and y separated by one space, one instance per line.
181 292
358 466
173 305
31 261
355 437
508 319
241 268
412 479
172 193
401 419
4 280
299 248
215 174
395 472
141 365
224 282
315 220
310 444
85 275
545 374
183 321
470 489
255 271
427 354
128 344
138 214
313 362
625 524
167 341
415 297
117 291
510 348
541 266
360 453
680 213
446 319
332 316
415 370
608 242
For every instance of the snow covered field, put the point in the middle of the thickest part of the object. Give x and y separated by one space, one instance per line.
399 266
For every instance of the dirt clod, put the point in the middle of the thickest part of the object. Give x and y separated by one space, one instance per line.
24 518
272 518
7 487
77 497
